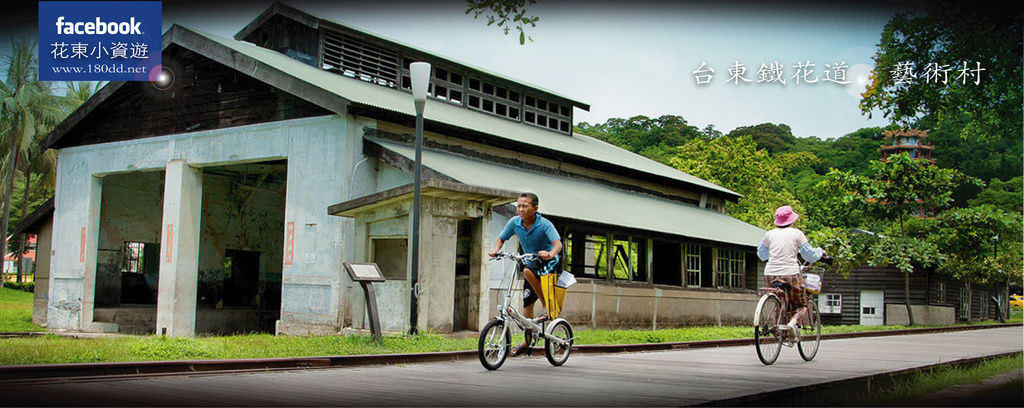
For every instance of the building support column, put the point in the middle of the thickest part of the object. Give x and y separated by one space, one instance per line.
179 250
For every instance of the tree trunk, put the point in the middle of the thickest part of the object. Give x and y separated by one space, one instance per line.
906 296
9 182
906 283
24 212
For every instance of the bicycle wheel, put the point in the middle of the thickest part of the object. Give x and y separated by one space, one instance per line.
556 353
810 332
494 344
767 339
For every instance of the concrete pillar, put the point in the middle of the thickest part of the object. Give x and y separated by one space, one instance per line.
88 252
179 250
480 276
437 271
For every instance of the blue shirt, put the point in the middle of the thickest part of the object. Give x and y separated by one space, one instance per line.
538 238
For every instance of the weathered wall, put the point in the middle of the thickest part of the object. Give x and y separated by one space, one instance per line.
596 303
320 159
140 320
438 242
923 314
44 239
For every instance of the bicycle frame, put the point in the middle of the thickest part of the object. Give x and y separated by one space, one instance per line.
506 311
783 295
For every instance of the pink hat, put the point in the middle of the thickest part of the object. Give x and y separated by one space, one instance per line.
785 216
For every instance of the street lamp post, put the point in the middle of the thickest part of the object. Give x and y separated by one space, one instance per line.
420 73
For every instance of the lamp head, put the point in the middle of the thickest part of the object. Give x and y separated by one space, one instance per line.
420 73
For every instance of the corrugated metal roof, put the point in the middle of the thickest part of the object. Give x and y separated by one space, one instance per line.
377 96
289 11
590 201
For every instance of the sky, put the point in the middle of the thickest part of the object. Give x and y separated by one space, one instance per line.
624 58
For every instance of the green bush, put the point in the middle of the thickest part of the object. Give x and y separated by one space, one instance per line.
24 286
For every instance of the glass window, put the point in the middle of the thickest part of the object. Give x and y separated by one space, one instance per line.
830 303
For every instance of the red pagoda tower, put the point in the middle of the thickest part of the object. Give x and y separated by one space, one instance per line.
911 142
907 140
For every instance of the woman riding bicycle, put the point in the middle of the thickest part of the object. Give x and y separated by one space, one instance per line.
780 247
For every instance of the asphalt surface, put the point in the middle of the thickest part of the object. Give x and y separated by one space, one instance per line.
723 375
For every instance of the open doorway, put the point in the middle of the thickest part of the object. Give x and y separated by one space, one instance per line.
467 276
241 248
128 249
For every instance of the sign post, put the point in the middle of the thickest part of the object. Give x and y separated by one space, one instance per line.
366 274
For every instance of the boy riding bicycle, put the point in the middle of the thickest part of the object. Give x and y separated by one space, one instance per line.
536 235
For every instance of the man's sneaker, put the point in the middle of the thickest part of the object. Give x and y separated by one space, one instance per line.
520 349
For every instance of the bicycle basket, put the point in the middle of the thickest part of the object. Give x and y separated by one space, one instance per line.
812 282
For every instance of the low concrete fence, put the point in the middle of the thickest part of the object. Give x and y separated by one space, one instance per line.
597 303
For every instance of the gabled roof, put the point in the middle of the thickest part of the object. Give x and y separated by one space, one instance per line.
34 221
315 22
345 95
588 201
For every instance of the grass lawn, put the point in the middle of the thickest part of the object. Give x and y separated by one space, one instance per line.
16 311
905 391
51 349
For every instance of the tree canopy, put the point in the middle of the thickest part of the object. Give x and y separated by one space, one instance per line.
505 14
654 138
949 35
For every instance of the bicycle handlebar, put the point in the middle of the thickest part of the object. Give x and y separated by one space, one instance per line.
515 257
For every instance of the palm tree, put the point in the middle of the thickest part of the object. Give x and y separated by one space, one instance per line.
29 111
44 162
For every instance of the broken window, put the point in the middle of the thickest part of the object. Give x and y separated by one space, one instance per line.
691 253
586 254
547 114
965 303
140 272
390 255
729 268
494 99
241 278
666 265
445 84
629 259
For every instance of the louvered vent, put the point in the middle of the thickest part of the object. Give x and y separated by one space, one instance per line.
355 58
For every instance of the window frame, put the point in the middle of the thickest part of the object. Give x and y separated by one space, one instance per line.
824 306
691 277
734 273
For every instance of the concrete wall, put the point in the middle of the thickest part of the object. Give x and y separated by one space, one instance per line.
44 239
438 241
141 319
595 303
321 153
896 313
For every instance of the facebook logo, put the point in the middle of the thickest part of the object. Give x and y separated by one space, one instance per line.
99 40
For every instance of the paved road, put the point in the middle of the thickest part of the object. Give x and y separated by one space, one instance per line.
683 377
